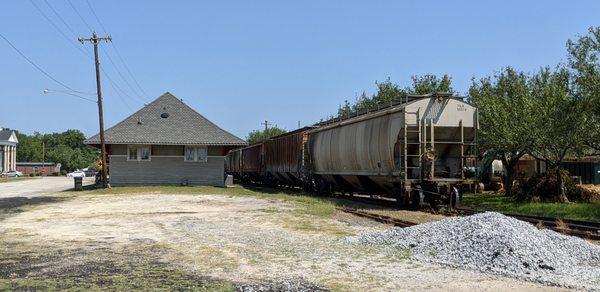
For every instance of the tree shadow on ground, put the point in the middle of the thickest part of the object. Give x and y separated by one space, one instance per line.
14 205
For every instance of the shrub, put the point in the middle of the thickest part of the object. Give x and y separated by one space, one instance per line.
545 188
56 173
63 172
31 174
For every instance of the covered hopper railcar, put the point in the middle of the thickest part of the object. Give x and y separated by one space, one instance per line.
416 151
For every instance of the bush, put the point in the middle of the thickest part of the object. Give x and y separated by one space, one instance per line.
63 172
31 174
589 193
56 173
545 188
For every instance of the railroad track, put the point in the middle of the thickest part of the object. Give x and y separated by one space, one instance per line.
584 229
378 217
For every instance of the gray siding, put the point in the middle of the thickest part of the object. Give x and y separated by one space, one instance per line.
163 170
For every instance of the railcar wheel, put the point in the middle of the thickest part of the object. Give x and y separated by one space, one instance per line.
398 194
453 196
416 196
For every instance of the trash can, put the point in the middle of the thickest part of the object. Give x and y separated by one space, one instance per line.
78 183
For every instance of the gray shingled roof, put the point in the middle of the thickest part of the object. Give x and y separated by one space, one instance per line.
183 126
5 134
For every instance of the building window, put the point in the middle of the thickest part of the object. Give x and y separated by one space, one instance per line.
195 153
190 153
145 153
132 153
202 154
138 153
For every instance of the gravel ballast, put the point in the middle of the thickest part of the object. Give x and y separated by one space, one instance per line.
493 243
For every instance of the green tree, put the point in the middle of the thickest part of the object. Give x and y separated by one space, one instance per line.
345 110
506 112
584 60
66 148
559 129
429 83
388 92
262 135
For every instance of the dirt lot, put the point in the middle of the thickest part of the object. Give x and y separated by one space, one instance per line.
202 241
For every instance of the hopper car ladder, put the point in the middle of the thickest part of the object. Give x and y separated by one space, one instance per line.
408 128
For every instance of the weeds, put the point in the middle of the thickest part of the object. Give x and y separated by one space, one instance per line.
500 203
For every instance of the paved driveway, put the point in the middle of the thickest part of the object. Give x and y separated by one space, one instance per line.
36 187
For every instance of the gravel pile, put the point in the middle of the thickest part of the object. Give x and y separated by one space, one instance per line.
494 243
290 285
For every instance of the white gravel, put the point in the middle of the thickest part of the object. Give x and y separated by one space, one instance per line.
493 243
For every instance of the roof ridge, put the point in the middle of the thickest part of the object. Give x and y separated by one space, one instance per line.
185 126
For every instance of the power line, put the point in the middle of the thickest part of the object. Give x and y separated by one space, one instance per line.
119 72
60 18
78 96
42 70
118 90
80 17
110 59
116 50
65 91
80 49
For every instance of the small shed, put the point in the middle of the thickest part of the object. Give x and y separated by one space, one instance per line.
587 169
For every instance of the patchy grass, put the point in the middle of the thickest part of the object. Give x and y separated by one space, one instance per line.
311 205
500 203
29 269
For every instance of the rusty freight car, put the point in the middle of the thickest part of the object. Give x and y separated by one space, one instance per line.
285 158
233 163
252 163
416 151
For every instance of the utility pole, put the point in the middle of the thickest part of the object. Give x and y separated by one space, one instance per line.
43 156
266 123
95 40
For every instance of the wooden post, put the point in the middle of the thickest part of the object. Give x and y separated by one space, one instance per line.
95 40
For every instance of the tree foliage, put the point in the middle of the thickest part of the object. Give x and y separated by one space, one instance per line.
560 128
552 114
66 148
584 60
262 135
506 114
388 92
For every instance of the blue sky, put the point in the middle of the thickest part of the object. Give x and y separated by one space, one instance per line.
242 62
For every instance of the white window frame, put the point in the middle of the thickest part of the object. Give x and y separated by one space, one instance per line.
138 152
185 158
149 152
205 154
196 153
